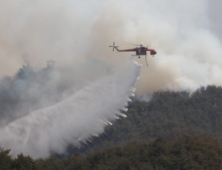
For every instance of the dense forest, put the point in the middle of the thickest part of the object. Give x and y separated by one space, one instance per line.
167 115
174 130
185 153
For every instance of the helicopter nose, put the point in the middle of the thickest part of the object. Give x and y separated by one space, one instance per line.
153 52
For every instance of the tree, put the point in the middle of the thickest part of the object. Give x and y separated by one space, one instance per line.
5 159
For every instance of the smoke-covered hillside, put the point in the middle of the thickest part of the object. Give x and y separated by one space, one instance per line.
31 89
43 109
53 107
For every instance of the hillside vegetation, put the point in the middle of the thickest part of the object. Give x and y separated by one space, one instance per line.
173 131
186 153
167 115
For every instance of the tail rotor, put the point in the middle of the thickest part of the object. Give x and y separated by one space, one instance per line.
113 46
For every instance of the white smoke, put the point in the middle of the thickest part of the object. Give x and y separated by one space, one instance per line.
75 119
187 34
189 50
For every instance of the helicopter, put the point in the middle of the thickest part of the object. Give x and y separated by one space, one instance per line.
140 50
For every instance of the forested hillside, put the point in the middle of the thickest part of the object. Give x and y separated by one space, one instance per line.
167 115
186 153
174 130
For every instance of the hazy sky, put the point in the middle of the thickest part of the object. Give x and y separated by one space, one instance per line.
186 35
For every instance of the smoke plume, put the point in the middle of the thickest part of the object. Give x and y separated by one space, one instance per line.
185 34
43 108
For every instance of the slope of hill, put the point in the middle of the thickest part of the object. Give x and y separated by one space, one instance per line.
167 115
149 138
185 153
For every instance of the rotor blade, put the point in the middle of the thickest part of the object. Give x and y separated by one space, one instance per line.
131 43
153 45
